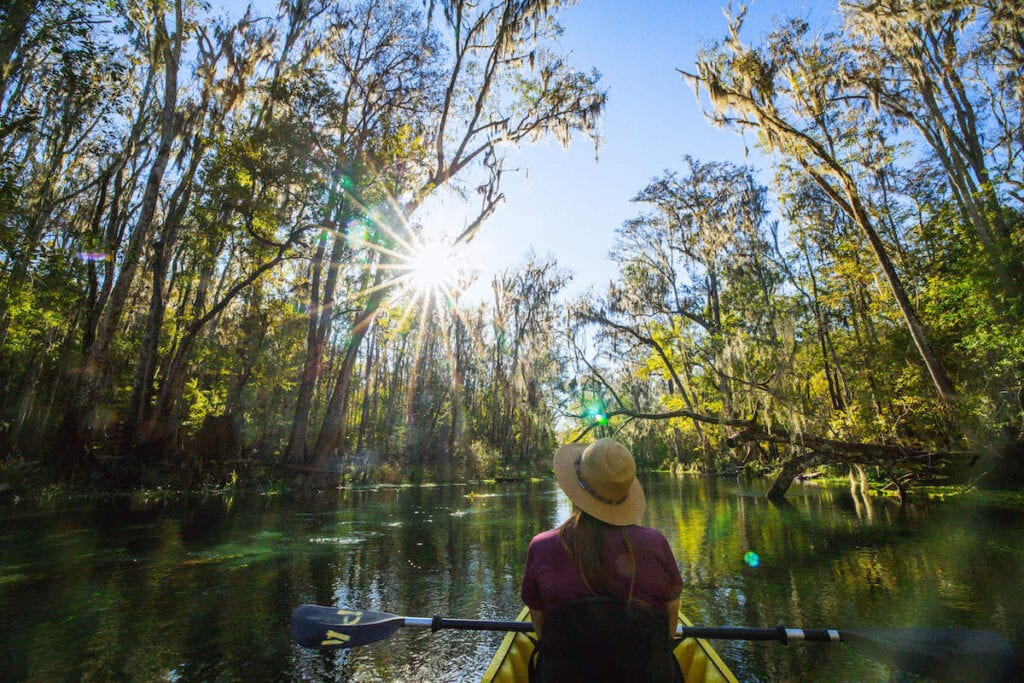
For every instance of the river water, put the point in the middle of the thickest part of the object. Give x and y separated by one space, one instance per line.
202 590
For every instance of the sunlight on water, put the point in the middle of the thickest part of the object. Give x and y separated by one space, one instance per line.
338 540
563 509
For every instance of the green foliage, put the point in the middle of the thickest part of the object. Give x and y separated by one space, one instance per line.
201 402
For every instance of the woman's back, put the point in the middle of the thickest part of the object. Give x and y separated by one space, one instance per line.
552 577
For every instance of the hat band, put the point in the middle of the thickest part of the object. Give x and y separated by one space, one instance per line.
592 492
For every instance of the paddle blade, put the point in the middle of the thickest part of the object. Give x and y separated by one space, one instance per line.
943 654
332 628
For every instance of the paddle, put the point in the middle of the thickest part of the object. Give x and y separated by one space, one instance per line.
945 654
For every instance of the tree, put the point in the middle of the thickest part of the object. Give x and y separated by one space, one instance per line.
54 84
913 60
489 101
225 61
166 55
793 95
697 291
522 362
389 74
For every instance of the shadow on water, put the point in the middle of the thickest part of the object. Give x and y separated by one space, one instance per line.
202 590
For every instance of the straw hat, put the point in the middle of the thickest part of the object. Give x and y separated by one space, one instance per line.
600 478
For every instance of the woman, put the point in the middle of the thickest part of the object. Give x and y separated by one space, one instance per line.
601 550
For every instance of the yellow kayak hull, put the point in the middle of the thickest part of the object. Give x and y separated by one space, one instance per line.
697 659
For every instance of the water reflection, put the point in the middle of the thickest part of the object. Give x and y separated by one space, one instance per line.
202 590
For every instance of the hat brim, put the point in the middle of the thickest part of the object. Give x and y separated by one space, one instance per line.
626 513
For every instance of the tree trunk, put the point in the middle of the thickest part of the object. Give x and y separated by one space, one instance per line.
947 392
296 450
834 390
145 366
783 480
321 317
177 371
11 32
458 409
112 236
98 360
331 433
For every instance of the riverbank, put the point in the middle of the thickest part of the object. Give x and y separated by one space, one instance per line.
21 485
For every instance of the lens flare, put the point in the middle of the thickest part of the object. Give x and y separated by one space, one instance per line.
359 232
596 414
751 558
94 256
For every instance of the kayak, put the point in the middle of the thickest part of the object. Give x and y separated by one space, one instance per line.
697 659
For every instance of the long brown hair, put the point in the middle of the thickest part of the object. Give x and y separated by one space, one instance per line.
583 536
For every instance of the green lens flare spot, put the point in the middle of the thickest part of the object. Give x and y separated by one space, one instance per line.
596 414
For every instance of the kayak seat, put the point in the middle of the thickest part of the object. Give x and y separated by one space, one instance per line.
604 640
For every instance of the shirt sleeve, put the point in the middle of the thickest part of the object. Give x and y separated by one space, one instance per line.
529 591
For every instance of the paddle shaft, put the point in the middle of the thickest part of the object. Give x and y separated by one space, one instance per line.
439 622
779 634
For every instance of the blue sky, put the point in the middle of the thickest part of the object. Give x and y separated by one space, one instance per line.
568 205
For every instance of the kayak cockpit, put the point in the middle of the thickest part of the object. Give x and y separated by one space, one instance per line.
696 658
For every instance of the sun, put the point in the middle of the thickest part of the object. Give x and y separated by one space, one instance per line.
434 266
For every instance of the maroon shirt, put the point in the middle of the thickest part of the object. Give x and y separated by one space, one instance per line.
551 577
